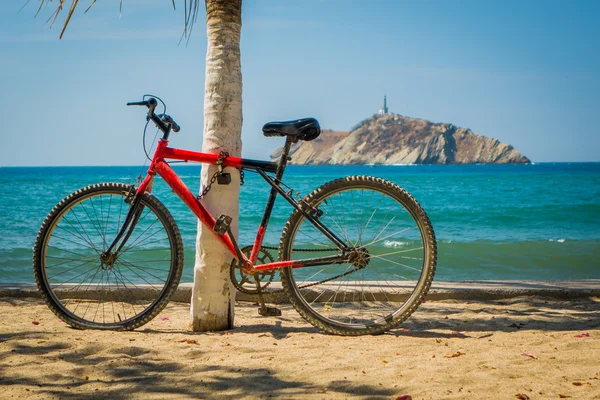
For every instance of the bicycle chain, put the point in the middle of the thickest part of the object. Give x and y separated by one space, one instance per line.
314 283
222 156
209 186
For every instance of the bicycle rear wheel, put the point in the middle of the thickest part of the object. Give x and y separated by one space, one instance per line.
394 262
88 289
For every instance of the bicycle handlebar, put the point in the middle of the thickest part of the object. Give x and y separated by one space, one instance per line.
164 122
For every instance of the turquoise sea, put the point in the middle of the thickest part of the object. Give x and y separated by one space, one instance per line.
516 222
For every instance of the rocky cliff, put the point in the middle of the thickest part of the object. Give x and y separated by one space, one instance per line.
396 139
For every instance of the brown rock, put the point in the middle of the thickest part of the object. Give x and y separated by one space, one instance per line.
396 139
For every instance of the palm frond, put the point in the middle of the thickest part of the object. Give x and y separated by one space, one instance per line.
39 8
56 12
190 8
21 9
88 9
73 5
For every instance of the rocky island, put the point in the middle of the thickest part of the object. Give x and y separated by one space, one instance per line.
388 138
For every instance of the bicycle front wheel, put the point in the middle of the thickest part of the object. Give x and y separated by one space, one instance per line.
393 262
89 288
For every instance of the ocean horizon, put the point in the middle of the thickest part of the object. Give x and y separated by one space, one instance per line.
537 221
184 164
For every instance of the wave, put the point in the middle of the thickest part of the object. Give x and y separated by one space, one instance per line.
394 244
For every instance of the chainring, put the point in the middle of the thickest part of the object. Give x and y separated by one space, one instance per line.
246 283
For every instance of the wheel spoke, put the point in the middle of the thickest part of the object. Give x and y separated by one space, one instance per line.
89 241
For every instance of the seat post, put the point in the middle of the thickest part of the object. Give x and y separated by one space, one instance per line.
284 158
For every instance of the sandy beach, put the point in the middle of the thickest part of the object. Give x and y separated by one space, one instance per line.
524 347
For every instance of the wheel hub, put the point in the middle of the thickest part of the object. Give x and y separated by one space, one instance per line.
359 257
108 259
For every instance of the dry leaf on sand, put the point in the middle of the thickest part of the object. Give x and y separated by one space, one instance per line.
457 354
527 354
188 341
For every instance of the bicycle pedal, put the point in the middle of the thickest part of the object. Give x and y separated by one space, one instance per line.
224 178
222 224
269 311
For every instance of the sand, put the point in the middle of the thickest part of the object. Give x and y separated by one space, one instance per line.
532 347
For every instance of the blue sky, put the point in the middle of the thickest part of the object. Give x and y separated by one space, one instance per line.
524 72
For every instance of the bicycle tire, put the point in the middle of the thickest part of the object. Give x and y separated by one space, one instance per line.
376 296
69 245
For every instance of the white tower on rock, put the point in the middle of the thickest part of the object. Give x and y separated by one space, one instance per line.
384 110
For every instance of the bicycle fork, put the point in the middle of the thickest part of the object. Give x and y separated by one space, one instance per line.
131 219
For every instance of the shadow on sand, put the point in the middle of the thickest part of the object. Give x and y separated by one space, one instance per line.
458 319
140 372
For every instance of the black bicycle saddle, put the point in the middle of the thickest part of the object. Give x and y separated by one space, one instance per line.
299 129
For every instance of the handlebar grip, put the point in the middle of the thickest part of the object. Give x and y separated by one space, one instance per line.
151 102
138 103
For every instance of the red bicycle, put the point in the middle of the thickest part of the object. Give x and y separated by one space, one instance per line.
357 255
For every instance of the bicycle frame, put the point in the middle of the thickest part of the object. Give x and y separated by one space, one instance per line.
160 166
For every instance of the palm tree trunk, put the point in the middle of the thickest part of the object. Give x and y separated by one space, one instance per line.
213 294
